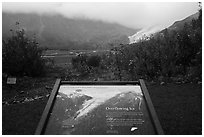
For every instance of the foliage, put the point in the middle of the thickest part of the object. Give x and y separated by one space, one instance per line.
93 61
85 64
22 56
166 54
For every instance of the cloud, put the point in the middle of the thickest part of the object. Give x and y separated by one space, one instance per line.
134 15
22 7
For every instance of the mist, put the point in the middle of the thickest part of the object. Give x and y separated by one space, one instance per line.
133 15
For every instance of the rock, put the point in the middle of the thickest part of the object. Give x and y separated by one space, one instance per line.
5 103
28 99
38 97
152 82
47 87
162 83
21 92
47 95
21 100
15 102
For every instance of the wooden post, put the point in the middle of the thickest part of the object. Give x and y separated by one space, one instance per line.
46 111
151 109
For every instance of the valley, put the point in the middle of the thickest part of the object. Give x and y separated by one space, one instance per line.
63 57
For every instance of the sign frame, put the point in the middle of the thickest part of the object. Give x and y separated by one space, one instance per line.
45 115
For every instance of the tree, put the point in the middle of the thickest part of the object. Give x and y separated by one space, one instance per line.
22 56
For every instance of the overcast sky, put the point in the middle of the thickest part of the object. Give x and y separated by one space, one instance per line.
134 15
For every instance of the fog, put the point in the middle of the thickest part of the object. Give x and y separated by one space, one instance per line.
133 15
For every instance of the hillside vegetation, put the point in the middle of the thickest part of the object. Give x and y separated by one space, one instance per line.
165 56
171 55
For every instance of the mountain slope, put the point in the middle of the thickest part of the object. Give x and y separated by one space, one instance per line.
180 24
176 26
56 31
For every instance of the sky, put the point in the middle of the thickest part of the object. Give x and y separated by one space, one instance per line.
130 14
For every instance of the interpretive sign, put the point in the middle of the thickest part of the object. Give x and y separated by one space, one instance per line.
11 80
99 108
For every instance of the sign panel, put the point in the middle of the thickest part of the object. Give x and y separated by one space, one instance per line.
86 108
99 110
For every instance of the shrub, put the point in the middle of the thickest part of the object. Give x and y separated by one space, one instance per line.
94 61
86 64
22 56
80 64
78 60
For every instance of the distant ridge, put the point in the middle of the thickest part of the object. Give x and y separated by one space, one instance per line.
59 32
180 24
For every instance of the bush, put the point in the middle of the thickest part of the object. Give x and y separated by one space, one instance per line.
21 56
80 64
86 64
94 61
78 60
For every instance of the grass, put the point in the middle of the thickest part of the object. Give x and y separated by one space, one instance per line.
22 119
179 107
